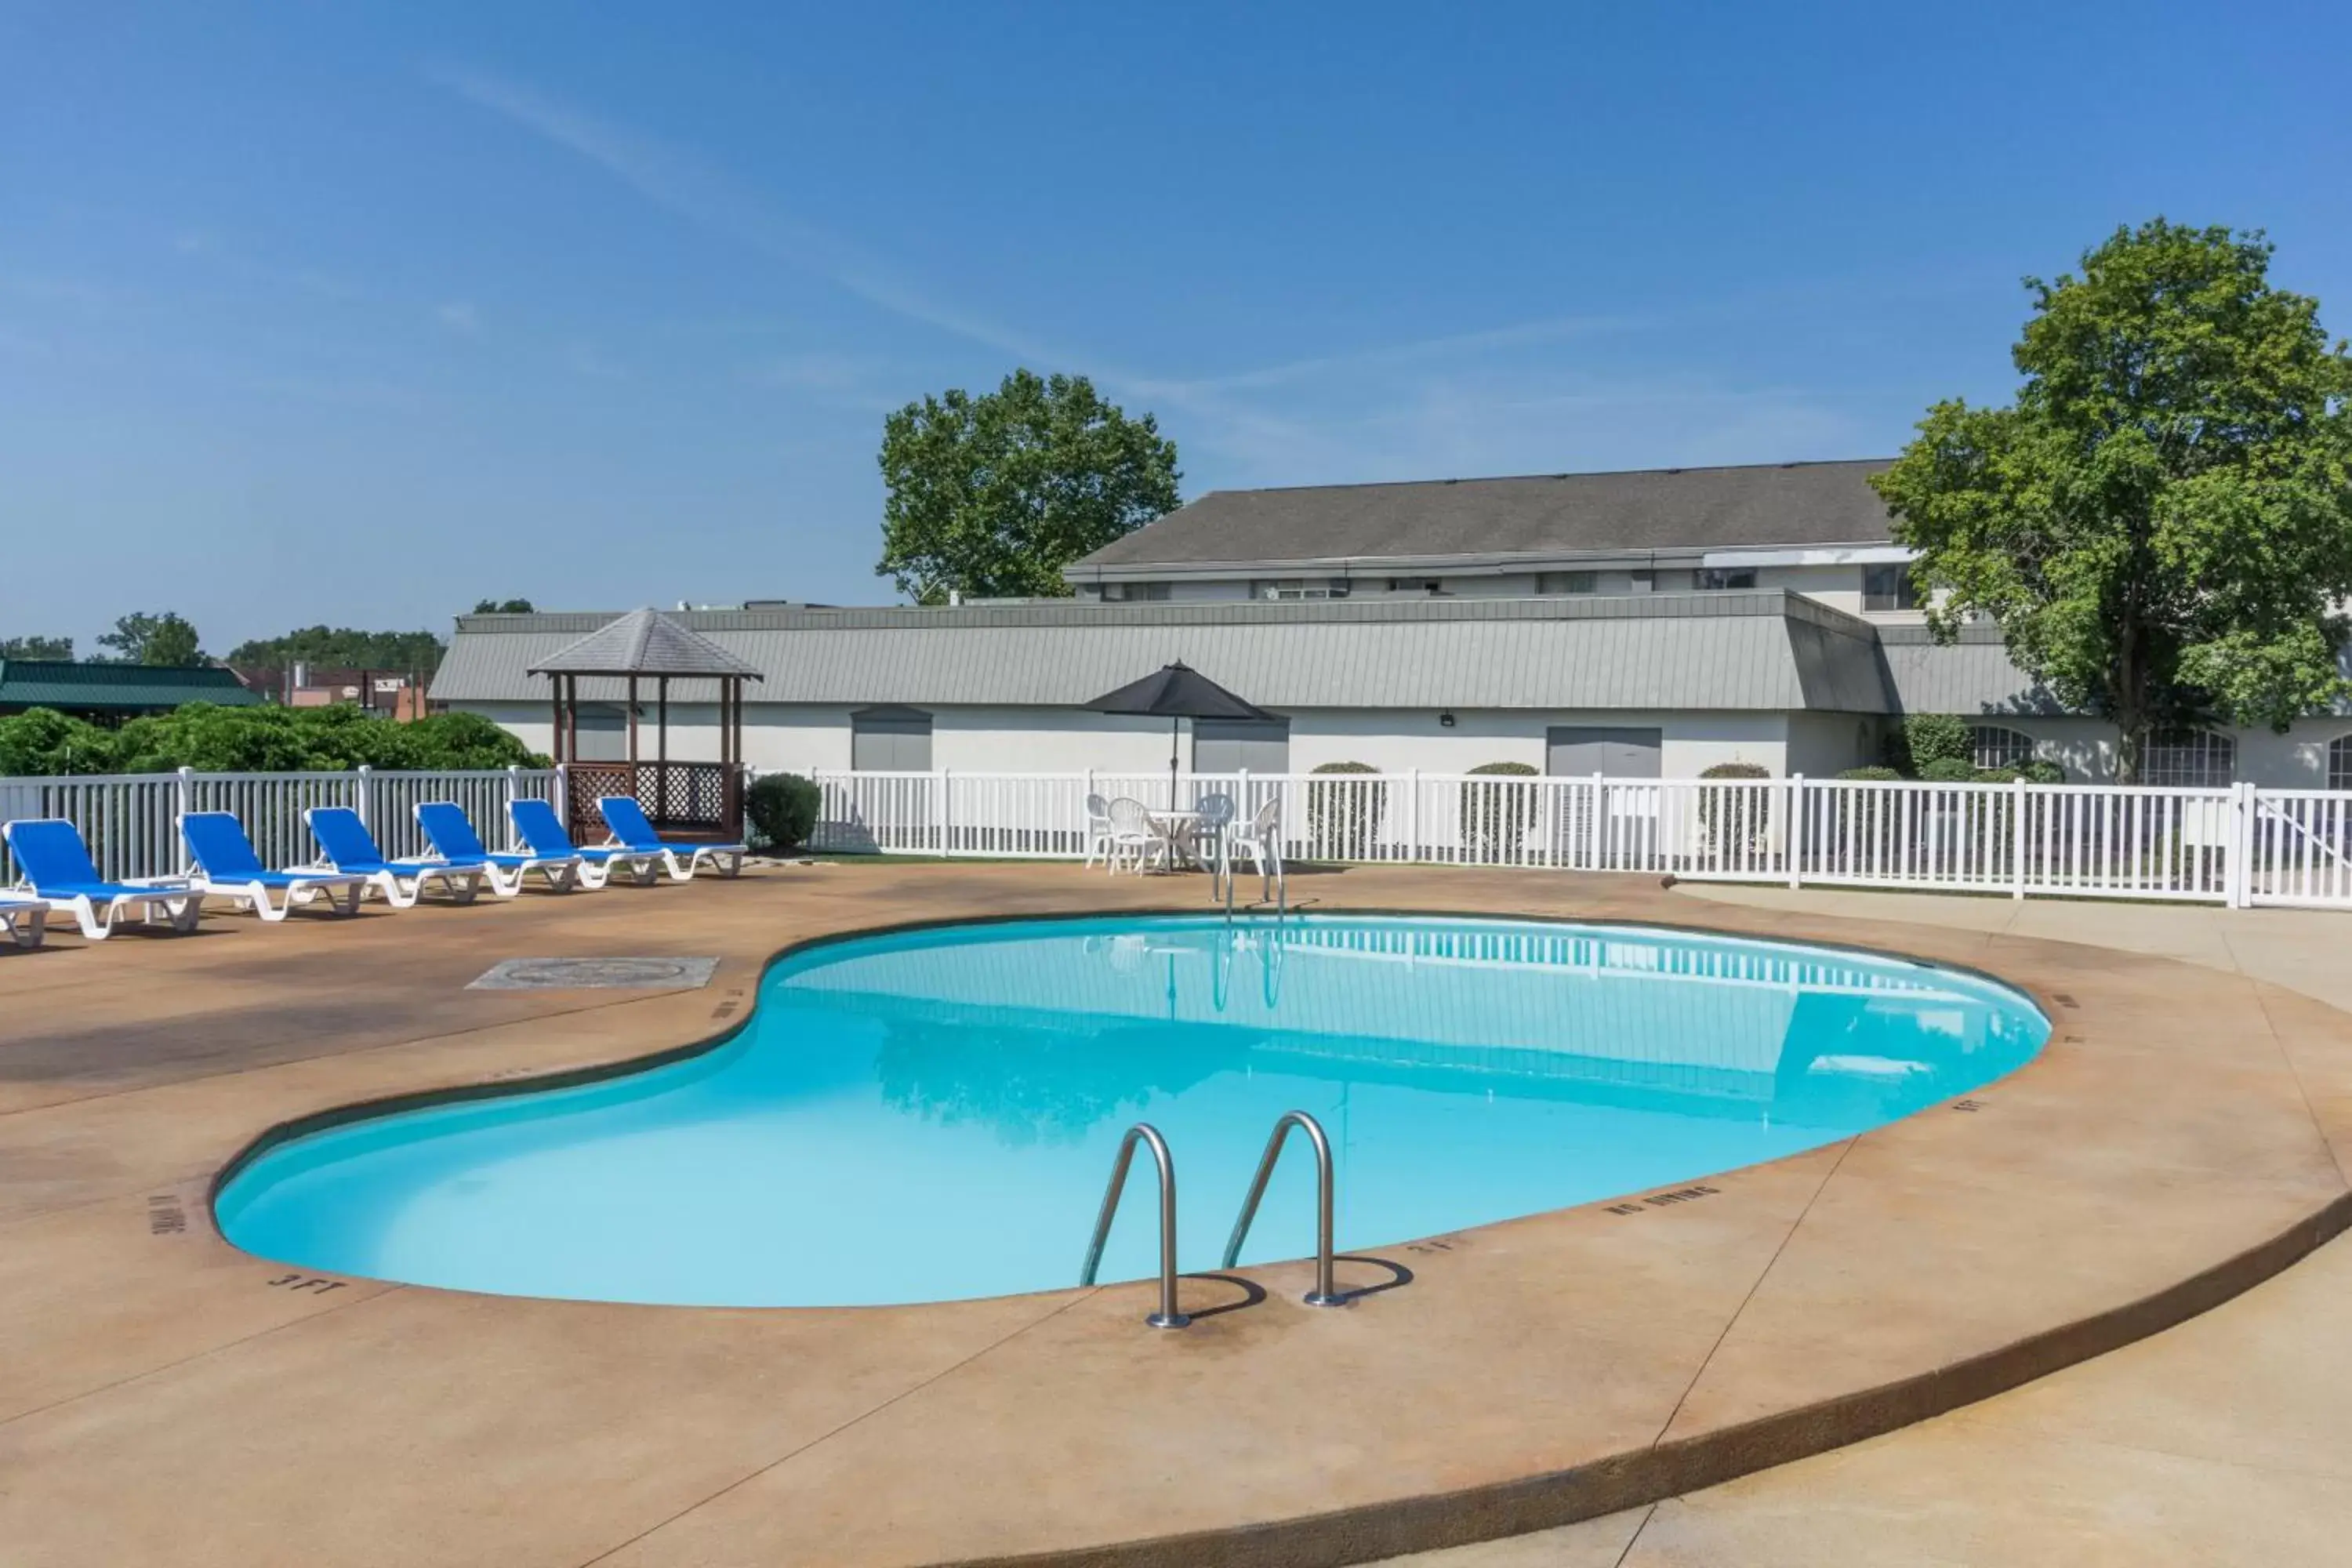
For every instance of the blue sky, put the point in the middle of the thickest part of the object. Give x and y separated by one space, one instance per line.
356 313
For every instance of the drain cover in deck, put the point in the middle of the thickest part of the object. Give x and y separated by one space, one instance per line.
597 975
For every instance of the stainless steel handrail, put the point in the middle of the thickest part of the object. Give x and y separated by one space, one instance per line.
1324 1294
1168 1317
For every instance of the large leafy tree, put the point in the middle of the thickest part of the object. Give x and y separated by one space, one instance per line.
502 607
343 648
2161 525
992 496
162 639
36 646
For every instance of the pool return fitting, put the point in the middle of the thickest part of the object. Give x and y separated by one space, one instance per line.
1170 1316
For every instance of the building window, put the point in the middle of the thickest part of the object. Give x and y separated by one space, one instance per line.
1134 592
1888 588
1230 745
1642 582
1999 746
1565 581
1429 585
1714 579
890 740
1302 588
2191 759
2339 762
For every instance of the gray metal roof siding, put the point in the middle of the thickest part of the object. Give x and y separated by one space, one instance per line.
1767 650
1972 673
1656 509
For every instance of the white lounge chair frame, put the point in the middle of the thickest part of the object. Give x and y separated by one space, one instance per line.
181 905
27 921
341 890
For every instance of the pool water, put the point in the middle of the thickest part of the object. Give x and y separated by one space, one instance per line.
931 1115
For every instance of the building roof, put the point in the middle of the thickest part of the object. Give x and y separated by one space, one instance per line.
1484 522
1759 649
1971 675
117 688
644 642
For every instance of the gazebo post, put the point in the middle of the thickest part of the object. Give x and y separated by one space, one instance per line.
632 732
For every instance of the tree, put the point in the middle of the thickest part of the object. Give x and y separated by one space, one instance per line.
2162 525
37 647
164 639
342 647
992 496
502 607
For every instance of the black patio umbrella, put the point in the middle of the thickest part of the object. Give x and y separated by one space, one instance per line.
1174 693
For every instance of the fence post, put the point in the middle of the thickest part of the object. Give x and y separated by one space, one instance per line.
1794 841
944 822
2240 872
1412 815
363 791
1598 817
2018 837
183 796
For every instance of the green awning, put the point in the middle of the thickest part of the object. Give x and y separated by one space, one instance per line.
116 688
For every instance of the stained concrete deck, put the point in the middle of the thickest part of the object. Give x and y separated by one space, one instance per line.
164 1398
2225 1441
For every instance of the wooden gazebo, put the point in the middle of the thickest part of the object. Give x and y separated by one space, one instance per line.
686 798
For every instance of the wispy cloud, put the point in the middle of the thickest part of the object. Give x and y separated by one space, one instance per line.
459 316
210 249
583 358
678 180
1492 399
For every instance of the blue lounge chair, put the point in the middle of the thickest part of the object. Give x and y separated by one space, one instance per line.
626 821
25 921
540 832
227 868
55 865
455 842
343 837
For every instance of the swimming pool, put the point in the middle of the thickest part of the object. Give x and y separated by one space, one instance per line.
932 1114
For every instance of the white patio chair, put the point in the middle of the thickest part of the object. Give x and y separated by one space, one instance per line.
1213 816
1132 830
1261 840
1097 828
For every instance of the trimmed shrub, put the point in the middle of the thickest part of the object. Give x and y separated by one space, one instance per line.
1875 774
782 809
1998 776
1747 815
1949 770
264 739
2043 771
1343 821
1495 816
1926 739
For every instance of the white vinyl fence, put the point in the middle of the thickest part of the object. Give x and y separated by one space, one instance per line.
2238 846
129 820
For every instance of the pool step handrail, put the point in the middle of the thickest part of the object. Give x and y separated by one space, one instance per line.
1169 1316
1324 1294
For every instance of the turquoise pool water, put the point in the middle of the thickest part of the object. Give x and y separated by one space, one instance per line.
931 1115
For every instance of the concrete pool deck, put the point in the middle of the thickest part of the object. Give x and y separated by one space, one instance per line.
164 1398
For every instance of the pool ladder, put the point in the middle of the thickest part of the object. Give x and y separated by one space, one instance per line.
1170 1316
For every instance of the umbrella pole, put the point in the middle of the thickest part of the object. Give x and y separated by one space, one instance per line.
1173 724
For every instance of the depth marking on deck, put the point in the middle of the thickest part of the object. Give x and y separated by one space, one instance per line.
1662 1200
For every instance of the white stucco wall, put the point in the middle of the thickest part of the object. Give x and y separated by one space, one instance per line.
802 739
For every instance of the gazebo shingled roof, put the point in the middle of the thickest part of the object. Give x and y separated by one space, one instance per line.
644 642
